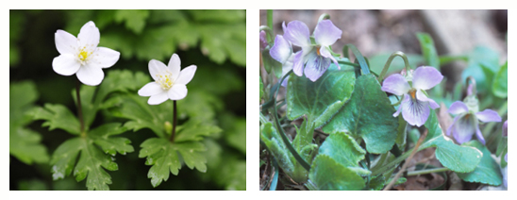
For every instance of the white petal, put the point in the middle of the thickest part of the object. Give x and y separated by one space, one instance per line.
150 89
186 75
395 84
425 78
89 36
105 57
65 64
421 96
66 43
174 66
177 92
90 75
158 98
156 68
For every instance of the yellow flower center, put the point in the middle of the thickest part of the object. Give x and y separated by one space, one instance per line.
318 51
83 55
412 92
165 80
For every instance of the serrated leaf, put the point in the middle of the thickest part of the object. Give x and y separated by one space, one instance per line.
343 149
456 158
487 171
92 158
163 156
141 114
57 116
25 145
368 114
134 19
194 130
500 84
327 174
319 100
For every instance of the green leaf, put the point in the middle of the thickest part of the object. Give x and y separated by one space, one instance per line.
276 146
343 149
483 63
92 159
319 100
428 50
164 157
141 114
194 130
500 84
327 174
369 115
24 144
487 172
457 158
236 135
57 116
134 19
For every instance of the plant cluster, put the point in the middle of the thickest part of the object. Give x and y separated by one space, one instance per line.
345 125
123 132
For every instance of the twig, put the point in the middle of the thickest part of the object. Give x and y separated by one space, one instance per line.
407 161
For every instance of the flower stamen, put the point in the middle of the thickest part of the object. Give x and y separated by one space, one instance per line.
165 81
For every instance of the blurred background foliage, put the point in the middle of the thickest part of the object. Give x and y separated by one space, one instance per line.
214 40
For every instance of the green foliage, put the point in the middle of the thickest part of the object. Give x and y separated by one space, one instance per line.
24 143
368 114
457 158
327 174
487 171
344 150
500 84
483 64
428 50
319 100
93 149
163 155
57 116
274 143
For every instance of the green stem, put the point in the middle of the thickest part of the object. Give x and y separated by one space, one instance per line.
269 32
427 171
79 106
388 63
358 57
287 143
392 163
323 17
270 24
174 114
348 63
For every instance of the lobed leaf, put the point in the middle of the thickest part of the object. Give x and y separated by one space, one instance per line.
57 116
92 151
164 157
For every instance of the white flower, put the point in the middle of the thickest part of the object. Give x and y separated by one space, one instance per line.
169 81
81 55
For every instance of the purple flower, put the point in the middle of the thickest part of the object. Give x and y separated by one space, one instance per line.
466 122
263 40
415 104
314 59
282 51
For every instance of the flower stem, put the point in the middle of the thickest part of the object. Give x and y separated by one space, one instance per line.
388 63
270 25
79 105
427 171
174 114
